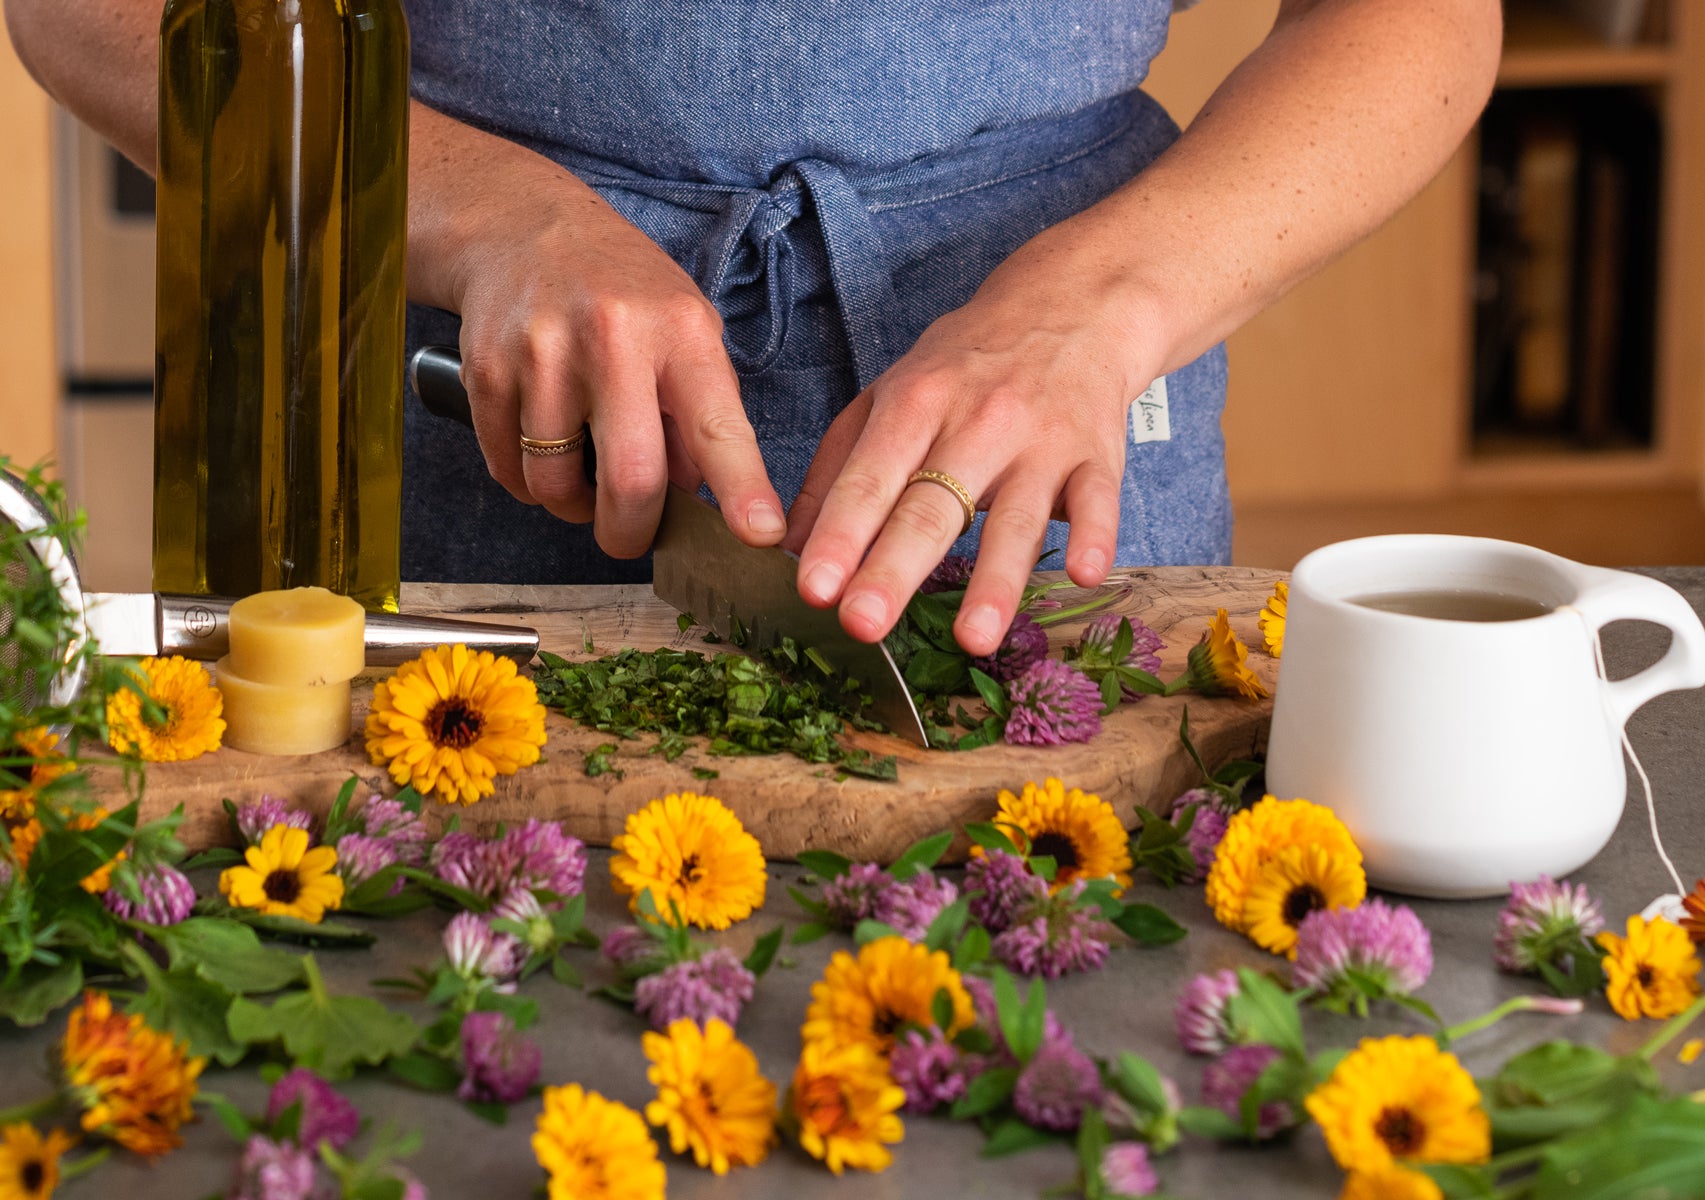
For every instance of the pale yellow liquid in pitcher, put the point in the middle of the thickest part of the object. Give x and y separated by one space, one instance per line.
281 207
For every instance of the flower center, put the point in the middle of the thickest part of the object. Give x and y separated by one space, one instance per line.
825 1106
691 870
1300 901
164 723
32 1176
282 887
1644 975
454 724
1400 1131
1058 847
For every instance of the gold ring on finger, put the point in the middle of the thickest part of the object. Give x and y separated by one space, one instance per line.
542 448
959 490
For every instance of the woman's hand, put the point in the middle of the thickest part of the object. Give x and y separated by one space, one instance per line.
1022 397
572 317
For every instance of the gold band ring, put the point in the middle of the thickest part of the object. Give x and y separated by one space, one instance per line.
544 449
960 493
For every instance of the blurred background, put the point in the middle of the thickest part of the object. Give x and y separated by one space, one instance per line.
1520 353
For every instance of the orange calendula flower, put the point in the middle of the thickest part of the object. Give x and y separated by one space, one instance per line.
892 982
710 1095
35 762
452 720
1693 919
26 837
1390 1183
595 1149
190 721
1218 664
1652 972
846 1106
1272 619
1255 836
692 854
282 876
1400 1099
132 1084
1078 830
1296 881
29 1163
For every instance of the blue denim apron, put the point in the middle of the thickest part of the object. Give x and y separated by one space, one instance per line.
835 175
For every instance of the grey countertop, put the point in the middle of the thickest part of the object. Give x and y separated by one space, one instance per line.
1127 1006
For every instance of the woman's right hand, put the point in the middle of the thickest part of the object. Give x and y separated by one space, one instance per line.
571 316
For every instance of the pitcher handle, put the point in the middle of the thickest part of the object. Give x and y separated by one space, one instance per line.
1619 595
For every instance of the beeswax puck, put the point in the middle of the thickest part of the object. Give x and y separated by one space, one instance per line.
265 718
297 637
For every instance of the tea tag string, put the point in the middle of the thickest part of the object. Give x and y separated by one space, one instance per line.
1666 906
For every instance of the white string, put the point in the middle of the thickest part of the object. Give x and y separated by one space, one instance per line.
1665 906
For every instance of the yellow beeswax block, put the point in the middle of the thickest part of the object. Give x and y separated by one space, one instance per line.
297 637
265 718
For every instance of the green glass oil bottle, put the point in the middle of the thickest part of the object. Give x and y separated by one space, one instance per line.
281 208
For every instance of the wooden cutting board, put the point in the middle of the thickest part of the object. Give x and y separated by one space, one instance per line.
788 804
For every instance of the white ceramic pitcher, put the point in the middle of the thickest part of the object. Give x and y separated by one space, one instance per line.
1464 754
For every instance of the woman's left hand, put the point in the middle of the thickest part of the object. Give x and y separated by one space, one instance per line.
1021 396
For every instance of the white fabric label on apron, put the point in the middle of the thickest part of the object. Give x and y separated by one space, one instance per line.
1151 420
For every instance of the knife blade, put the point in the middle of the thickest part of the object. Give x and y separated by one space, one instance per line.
199 627
701 568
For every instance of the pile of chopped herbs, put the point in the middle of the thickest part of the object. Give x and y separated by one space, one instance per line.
780 704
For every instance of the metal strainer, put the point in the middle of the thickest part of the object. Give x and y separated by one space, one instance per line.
159 623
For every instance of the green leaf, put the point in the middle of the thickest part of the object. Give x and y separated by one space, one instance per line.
941 1009
1262 1011
564 973
920 856
809 904
869 930
228 953
986 1093
426 1071
936 672
1148 925
993 694
1092 1139
1210 1123
219 857
811 931
1012 1136
337 818
825 864
330 1033
1031 1025
764 952
236 1123
39 989
1111 695
1652 1148
184 1004
990 836
1137 1080
945 928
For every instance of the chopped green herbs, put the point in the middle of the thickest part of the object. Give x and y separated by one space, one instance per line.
741 705
598 761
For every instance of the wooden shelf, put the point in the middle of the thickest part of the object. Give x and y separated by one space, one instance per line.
1544 48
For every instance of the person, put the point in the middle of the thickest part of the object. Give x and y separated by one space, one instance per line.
870 265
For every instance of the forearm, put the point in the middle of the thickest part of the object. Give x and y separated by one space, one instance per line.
1345 111
98 58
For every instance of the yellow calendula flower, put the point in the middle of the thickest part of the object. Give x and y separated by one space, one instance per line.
24 840
1293 883
1400 1099
1272 619
36 762
131 1083
692 852
865 1000
1218 664
29 1163
190 723
1259 833
283 877
710 1095
452 720
1078 830
1390 1183
846 1106
1652 972
595 1149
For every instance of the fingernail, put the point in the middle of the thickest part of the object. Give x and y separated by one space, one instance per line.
763 518
869 607
822 581
984 622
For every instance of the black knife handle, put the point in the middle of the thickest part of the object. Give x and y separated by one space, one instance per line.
436 373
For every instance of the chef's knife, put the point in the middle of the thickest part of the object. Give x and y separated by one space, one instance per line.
701 568
198 627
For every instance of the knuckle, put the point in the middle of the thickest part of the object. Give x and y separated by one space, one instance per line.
1017 523
720 425
629 479
611 322
485 375
687 319
927 520
860 490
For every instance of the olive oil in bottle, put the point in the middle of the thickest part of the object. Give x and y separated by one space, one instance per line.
281 208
